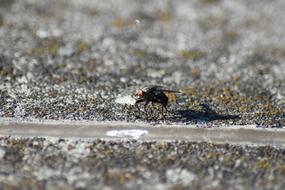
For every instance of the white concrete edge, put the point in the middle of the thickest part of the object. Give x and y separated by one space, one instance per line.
247 135
49 122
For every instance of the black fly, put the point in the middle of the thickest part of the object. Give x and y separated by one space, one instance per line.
153 94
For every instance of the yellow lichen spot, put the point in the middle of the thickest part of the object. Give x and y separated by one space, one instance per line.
93 11
281 168
139 53
1 22
263 164
91 65
164 16
244 108
250 22
82 46
191 54
279 52
6 71
121 177
82 108
212 155
196 72
195 105
229 160
189 90
119 22
213 21
230 36
48 47
209 1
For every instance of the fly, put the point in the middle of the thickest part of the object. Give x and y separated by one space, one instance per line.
153 94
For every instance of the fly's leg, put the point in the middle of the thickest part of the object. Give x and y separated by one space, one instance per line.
138 108
162 112
145 108
164 107
137 105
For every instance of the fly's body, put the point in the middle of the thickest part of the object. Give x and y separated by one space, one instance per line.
153 94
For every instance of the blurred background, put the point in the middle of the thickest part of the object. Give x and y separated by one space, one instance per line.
83 60
72 59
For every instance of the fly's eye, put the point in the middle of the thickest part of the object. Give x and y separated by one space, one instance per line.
140 93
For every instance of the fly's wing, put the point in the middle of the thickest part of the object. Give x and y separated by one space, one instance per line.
170 91
156 92
162 89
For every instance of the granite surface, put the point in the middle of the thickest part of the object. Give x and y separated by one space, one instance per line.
83 60
73 59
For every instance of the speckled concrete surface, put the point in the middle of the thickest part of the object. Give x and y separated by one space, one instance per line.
80 60
71 60
41 163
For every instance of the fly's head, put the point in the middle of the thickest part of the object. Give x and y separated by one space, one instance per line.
139 94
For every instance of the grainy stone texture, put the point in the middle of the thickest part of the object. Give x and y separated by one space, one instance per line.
41 163
72 59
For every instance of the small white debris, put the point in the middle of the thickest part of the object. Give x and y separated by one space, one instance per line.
131 133
180 176
155 73
2 153
125 100
66 51
56 32
43 34
22 79
47 34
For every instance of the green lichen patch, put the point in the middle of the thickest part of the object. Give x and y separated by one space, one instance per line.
139 53
209 1
278 52
121 23
213 21
91 65
1 21
230 36
6 71
196 72
281 168
251 22
164 16
82 46
93 11
148 55
263 164
46 47
119 176
194 54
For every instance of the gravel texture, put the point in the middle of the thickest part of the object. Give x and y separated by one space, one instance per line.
53 163
82 60
73 59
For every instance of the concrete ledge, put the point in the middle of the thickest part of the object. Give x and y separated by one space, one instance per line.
245 135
